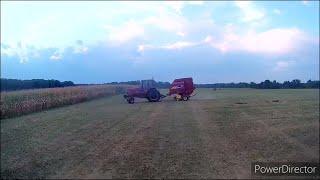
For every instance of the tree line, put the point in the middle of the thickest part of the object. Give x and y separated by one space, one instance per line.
16 84
267 84
159 84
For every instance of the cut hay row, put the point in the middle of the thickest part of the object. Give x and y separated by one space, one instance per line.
27 101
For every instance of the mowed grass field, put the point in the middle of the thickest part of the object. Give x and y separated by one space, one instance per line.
217 134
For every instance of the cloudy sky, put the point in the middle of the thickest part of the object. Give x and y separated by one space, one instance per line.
211 41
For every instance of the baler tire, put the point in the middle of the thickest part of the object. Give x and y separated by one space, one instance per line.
153 95
185 98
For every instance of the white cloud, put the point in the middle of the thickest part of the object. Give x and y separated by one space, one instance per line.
80 48
143 47
56 55
305 2
45 28
167 22
179 45
166 17
24 51
208 39
276 11
273 41
126 32
171 46
179 25
176 5
182 34
7 50
20 50
249 11
154 23
282 65
196 2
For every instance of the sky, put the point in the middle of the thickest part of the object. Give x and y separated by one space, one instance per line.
211 41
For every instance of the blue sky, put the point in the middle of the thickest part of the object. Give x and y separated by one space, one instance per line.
211 41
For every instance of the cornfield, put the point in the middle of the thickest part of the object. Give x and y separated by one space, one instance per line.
17 103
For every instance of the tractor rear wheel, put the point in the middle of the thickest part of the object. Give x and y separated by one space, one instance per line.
153 95
130 100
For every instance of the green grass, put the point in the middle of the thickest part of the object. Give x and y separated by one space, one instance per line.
210 136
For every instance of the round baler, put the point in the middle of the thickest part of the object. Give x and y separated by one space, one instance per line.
182 89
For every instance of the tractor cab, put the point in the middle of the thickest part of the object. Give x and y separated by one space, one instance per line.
147 84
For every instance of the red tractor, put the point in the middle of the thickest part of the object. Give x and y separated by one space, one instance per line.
147 90
181 88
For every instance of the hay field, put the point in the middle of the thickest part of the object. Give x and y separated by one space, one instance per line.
217 134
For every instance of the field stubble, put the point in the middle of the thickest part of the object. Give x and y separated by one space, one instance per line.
217 134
